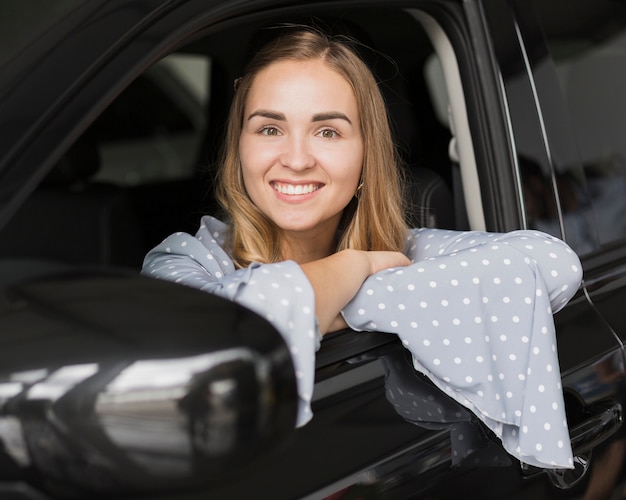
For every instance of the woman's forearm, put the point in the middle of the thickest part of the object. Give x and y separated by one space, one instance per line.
335 280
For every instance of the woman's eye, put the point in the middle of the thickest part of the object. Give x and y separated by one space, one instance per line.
269 131
328 133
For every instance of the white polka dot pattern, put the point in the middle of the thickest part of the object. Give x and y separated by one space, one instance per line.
482 329
474 310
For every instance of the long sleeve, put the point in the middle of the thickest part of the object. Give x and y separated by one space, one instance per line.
279 292
475 311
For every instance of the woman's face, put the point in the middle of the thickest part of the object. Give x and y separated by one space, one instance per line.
300 147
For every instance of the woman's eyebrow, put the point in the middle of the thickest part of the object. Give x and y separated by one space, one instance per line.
266 113
330 115
318 117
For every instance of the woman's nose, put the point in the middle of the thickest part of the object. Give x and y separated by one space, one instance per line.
298 154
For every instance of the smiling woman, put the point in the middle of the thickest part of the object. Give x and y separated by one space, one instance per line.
301 153
316 241
306 85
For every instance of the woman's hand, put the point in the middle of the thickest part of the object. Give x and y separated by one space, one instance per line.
384 260
337 278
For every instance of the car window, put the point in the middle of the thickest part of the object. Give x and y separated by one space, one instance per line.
152 131
144 168
589 54
129 180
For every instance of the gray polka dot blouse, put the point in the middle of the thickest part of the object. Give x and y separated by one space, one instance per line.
474 309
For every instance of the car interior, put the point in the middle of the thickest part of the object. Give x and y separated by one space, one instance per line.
145 167
100 213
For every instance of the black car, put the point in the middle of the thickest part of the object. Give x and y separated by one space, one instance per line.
114 385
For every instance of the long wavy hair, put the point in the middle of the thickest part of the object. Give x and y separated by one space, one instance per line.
375 218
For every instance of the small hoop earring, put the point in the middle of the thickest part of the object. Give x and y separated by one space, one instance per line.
358 190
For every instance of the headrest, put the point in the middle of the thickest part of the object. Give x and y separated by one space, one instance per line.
431 200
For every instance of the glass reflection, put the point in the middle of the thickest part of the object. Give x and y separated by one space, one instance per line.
580 87
140 425
574 211
61 381
419 402
607 377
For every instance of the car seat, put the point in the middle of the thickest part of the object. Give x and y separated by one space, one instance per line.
71 219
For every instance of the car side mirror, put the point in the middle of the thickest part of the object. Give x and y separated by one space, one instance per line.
116 384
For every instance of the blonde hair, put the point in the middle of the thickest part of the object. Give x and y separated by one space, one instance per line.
374 219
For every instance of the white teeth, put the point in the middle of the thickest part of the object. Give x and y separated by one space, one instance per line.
298 189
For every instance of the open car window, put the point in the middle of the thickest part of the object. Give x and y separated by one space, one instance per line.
145 167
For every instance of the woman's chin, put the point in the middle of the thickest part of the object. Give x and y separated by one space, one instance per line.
305 226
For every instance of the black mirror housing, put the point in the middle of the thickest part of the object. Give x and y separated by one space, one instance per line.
115 384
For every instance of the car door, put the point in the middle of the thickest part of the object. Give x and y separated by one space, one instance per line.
538 137
579 87
547 187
